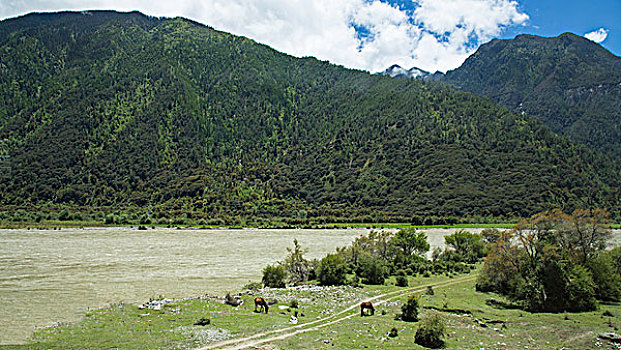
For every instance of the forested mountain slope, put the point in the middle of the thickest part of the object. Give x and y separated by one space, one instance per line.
570 83
105 109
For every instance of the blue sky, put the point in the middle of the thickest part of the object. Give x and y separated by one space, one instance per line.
374 34
551 18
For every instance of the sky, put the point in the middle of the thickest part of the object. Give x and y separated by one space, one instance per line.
374 34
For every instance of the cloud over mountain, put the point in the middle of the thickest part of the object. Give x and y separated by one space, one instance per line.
364 34
597 36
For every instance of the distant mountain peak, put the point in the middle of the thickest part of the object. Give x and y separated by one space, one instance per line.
396 71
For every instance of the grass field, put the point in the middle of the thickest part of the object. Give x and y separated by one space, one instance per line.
327 323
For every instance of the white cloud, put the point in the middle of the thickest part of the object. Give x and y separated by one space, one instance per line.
597 35
436 35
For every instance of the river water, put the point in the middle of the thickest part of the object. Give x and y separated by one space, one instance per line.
49 276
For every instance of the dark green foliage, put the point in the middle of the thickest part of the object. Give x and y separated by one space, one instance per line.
409 310
112 109
580 290
430 291
274 276
331 271
393 333
64 215
552 270
402 281
372 270
431 332
568 82
607 280
466 247
410 242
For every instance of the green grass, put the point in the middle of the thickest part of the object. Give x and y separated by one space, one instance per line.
127 327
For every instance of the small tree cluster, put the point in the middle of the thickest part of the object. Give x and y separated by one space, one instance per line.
559 264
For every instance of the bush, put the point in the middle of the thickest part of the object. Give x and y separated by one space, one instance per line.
110 219
409 310
331 271
64 215
253 286
607 281
293 304
372 271
580 290
402 281
431 333
274 276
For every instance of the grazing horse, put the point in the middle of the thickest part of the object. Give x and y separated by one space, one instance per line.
260 302
366 305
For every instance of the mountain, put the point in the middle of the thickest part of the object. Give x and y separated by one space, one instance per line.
102 109
570 83
396 71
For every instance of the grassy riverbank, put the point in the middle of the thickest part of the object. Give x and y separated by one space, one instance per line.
472 321
55 224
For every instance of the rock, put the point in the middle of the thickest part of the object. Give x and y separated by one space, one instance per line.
613 337
202 322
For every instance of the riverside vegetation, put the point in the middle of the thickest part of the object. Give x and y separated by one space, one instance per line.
439 305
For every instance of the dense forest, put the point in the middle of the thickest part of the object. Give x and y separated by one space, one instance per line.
570 83
105 110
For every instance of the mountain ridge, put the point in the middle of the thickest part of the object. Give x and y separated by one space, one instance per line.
570 83
136 110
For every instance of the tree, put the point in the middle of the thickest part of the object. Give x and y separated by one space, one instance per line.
331 271
409 310
296 266
588 233
411 242
468 247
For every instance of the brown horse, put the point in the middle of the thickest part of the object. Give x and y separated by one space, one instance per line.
260 302
366 305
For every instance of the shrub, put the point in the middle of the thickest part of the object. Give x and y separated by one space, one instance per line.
274 276
372 271
64 215
431 333
409 310
429 291
402 281
293 304
145 220
580 290
331 271
253 286
110 219
607 281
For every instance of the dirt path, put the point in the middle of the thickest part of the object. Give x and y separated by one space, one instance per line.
261 338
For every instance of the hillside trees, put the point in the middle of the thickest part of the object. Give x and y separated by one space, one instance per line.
210 126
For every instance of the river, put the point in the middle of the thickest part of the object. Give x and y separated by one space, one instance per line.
49 276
